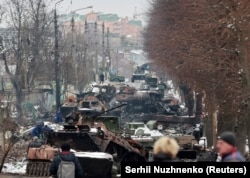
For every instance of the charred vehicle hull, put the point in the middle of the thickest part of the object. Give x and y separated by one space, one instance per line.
39 161
84 142
89 141
193 148
85 134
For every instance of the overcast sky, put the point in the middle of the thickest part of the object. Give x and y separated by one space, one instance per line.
121 7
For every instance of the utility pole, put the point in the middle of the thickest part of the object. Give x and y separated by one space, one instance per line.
73 51
56 56
108 56
85 59
103 49
96 55
73 46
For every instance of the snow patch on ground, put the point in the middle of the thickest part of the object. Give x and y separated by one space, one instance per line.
15 167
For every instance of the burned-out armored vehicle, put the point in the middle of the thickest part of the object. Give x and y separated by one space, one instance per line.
148 128
95 164
139 74
94 141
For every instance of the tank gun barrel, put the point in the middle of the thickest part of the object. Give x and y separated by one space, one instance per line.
93 116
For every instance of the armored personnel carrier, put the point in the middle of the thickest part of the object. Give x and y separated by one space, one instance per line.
91 140
193 147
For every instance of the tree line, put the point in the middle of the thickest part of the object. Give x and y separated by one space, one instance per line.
203 45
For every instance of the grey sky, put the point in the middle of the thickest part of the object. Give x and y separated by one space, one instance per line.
121 7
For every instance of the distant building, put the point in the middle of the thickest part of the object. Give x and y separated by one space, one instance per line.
117 26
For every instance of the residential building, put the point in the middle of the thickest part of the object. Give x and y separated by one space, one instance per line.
117 26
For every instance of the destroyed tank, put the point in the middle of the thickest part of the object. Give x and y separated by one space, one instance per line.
193 147
98 148
103 92
128 94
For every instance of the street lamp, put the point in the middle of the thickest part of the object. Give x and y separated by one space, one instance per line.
73 12
104 58
105 52
56 56
82 9
73 41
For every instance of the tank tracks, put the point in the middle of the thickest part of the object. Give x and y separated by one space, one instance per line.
38 168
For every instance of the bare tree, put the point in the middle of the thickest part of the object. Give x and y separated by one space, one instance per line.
29 48
39 40
2 11
8 131
204 44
